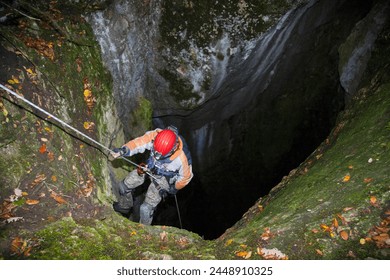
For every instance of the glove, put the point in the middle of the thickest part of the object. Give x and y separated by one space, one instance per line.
163 193
122 151
172 189
150 163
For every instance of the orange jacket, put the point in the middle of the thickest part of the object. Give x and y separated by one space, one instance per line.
178 161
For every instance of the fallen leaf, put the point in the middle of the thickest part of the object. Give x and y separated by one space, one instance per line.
373 200
315 230
38 179
164 236
87 93
344 235
368 180
54 178
266 234
58 198
242 254
343 220
18 245
42 149
346 209
32 201
228 242
44 139
183 242
346 178
86 191
362 241
335 223
13 81
325 227
319 252
5 209
89 125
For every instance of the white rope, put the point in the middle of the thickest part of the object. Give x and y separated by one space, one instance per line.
71 127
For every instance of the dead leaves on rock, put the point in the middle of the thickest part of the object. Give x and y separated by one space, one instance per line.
86 187
245 251
22 247
271 254
38 180
89 98
337 227
44 48
379 234
6 209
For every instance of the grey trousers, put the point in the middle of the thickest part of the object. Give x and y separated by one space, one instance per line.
152 198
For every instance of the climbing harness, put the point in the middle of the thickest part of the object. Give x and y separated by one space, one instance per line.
139 166
74 129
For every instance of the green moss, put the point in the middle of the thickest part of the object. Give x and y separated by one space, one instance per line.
116 238
316 194
142 115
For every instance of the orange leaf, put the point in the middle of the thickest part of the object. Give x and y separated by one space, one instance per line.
346 178
344 235
58 198
18 245
242 254
54 178
32 201
373 200
325 227
319 252
42 149
368 180
335 223
87 93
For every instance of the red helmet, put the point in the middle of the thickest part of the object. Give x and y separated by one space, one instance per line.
164 143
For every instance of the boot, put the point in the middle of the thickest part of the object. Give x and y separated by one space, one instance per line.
124 204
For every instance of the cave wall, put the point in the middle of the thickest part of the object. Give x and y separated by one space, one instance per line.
272 110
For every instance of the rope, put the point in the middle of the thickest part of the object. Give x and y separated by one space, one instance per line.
178 211
72 128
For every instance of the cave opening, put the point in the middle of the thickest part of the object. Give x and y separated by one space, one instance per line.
245 140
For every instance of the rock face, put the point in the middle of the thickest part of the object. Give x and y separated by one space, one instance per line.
271 96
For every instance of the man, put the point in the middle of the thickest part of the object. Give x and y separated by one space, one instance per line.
169 163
